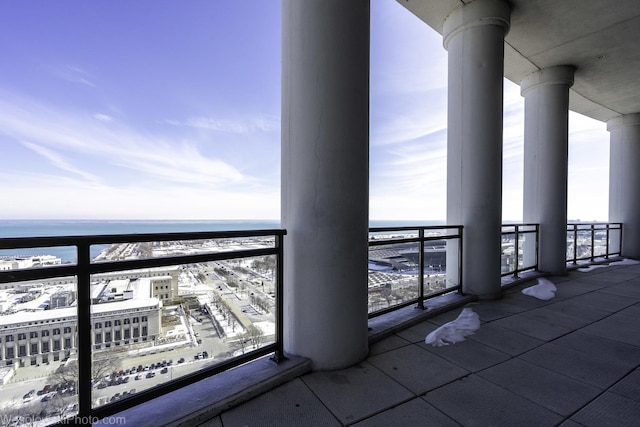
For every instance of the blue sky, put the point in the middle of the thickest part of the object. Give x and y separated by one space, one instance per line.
171 110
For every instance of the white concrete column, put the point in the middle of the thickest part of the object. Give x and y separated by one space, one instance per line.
474 37
325 188
624 180
546 148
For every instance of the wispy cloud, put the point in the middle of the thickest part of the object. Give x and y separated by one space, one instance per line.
149 157
59 161
259 123
74 74
102 117
134 201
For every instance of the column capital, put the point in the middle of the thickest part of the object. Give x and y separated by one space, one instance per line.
557 75
624 120
476 13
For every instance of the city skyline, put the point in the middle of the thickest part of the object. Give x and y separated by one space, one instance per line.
142 111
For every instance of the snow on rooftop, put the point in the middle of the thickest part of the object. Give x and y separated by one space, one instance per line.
71 312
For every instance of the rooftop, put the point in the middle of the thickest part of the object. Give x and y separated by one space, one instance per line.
574 359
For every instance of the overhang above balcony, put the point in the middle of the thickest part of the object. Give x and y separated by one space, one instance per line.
598 37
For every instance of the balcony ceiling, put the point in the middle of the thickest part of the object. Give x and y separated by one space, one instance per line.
599 37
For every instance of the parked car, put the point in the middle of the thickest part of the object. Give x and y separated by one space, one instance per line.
164 370
151 374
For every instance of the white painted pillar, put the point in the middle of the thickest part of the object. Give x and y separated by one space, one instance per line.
474 37
546 148
624 180
325 188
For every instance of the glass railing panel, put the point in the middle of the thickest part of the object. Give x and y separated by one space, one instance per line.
153 326
600 240
615 239
451 270
176 320
393 274
519 248
395 258
38 351
508 254
527 250
583 243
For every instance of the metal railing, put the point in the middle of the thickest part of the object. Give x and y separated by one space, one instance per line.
519 248
588 241
85 267
399 257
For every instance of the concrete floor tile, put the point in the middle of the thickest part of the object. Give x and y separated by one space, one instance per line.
559 393
415 412
532 327
603 301
584 284
356 393
387 344
613 275
474 401
601 348
419 332
290 404
469 354
632 311
617 327
631 290
580 366
629 386
571 289
493 310
609 409
524 302
417 369
505 340
581 311
555 317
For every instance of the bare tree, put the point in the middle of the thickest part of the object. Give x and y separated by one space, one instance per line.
104 363
58 404
255 335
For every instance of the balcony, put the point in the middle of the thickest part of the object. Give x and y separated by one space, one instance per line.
520 339
574 359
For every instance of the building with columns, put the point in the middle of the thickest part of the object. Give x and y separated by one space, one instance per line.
571 55
578 55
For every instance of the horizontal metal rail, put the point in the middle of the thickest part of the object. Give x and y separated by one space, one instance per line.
85 267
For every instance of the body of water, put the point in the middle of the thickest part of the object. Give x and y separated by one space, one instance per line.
46 228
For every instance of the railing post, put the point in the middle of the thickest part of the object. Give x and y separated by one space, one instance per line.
421 270
575 244
606 245
593 241
620 239
278 356
83 343
537 232
459 260
517 237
